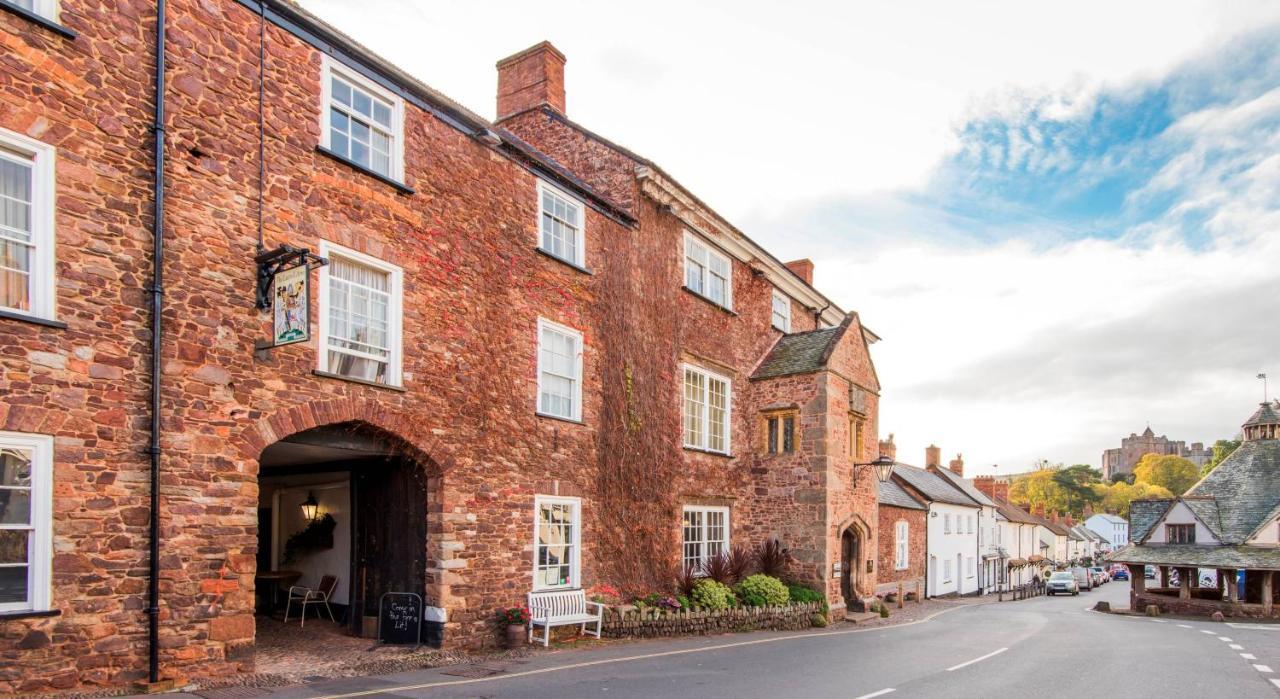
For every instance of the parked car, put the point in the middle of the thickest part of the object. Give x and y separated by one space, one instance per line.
1120 574
1084 578
1063 582
1100 575
1149 572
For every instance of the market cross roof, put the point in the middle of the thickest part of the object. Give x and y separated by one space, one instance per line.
1245 489
799 353
1251 557
1265 415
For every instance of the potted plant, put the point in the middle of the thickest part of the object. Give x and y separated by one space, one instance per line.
515 618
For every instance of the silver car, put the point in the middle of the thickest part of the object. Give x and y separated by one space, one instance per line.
1062 582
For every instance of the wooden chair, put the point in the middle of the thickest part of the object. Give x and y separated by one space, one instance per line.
305 595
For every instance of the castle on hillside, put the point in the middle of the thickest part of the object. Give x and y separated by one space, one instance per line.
1135 446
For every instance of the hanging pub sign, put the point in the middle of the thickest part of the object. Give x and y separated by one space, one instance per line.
290 299
284 286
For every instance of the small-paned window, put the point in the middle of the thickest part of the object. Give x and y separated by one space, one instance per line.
26 226
26 521
560 225
781 311
360 298
902 546
856 426
707 272
1180 533
559 370
706 410
556 557
780 432
706 535
362 122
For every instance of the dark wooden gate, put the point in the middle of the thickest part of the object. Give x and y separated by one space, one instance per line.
389 544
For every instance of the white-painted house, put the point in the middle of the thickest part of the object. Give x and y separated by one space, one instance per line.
1110 527
952 531
991 558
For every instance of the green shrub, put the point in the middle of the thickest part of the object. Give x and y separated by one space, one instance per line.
884 612
685 602
804 595
818 620
709 594
761 590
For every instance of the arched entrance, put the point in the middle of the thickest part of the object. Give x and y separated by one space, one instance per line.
849 557
347 501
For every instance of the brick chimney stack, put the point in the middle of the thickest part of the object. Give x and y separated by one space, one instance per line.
803 269
988 486
1054 518
888 448
1039 510
1088 511
957 465
932 456
1071 522
529 79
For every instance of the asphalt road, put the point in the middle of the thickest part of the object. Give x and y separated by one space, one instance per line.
1044 647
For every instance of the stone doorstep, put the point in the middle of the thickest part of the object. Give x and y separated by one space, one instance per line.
860 617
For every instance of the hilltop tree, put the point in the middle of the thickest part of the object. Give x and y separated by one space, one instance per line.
1064 489
1173 473
1221 450
1115 497
1077 483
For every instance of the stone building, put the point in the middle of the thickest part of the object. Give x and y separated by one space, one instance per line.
1132 448
531 358
904 542
1229 521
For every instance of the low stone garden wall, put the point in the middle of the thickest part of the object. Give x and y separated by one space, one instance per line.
629 622
1200 607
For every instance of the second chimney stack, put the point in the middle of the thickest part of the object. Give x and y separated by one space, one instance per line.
530 79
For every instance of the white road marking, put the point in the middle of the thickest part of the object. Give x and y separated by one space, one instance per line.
1160 621
643 656
1236 646
967 663
1224 639
876 694
1248 656
1262 668
1275 682
1184 626
1256 627
1211 633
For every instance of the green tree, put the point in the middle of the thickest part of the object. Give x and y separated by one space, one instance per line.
1039 488
1173 473
1115 497
1221 450
1076 483
1122 478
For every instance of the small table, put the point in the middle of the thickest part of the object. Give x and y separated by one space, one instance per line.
277 579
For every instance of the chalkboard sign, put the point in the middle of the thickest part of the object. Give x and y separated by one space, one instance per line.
400 618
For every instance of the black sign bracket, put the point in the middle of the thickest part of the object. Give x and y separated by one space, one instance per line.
272 262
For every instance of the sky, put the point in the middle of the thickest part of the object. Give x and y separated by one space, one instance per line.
1063 220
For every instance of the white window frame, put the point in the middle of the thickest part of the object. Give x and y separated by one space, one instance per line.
40 546
544 324
705 427
575 562
946 570
395 311
42 157
705 554
946 523
902 545
780 298
45 8
329 68
972 567
690 238
580 236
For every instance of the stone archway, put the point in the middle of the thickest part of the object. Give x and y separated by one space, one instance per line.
405 477
855 549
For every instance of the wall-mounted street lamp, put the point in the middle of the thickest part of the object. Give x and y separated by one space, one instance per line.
310 508
883 466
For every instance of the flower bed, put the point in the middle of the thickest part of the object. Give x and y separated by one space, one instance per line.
626 621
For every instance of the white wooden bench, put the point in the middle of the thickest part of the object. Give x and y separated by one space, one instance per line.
562 608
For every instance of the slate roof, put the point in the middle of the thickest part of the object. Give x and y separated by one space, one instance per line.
1252 557
1143 515
964 485
800 353
1266 415
931 486
1246 488
1013 513
892 494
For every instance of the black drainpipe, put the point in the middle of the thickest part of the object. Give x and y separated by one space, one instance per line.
157 304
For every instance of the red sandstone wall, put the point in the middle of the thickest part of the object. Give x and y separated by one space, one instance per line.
916 548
